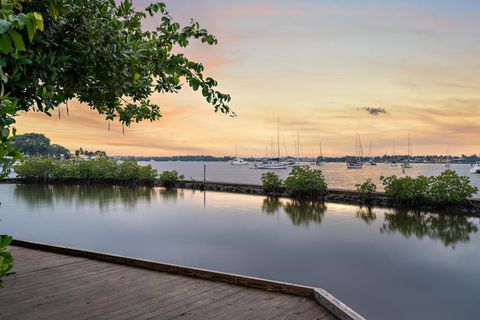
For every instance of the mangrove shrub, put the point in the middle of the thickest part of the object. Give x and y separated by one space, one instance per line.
271 182
169 178
94 170
446 189
366 189
305 182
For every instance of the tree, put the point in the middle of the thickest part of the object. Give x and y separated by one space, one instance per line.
36 144
95 51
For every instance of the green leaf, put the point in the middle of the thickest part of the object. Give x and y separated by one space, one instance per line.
5 43
38 20
30 30
17 40
4 25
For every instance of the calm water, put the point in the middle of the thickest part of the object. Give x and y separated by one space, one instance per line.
336 174
385 265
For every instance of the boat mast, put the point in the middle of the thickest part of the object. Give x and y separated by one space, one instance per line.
360 146
298 146
408 145
356 145
278 138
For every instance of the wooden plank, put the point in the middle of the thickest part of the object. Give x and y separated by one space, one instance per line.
338 308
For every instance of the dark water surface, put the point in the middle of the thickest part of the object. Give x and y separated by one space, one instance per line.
385 265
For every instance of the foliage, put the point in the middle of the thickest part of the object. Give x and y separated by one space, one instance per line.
169 178
94 170
6 259
36 168
96 52
36 144
305 182
271 182
450 188
446 189
87 153
366 188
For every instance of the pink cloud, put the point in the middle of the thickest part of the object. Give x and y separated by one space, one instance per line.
262 11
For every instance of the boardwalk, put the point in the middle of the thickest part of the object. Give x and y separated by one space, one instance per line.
55 286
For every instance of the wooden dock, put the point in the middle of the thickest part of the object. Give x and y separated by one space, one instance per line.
64 283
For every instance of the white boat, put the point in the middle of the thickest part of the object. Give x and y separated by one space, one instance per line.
238 162
475 168
271 164
354 165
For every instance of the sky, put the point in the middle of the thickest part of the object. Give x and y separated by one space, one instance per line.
317 66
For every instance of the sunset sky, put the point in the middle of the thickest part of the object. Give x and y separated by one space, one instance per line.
313 64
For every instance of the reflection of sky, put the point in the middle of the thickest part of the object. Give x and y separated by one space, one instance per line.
313 64
376 274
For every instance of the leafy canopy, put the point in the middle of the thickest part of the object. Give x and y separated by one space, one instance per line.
94 51
37 144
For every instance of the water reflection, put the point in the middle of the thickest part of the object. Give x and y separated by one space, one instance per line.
366 214
300 212
271 205
81 195
449 229
171 194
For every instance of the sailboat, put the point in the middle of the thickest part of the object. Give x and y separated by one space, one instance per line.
273 163
299 161
370 162
393 163
356 163
238 161
447 161
407 164
320 161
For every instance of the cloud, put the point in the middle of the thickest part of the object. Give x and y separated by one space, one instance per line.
374 111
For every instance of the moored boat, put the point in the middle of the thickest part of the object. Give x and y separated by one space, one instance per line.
475 168
238 162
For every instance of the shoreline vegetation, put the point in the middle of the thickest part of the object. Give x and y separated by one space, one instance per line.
447 192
